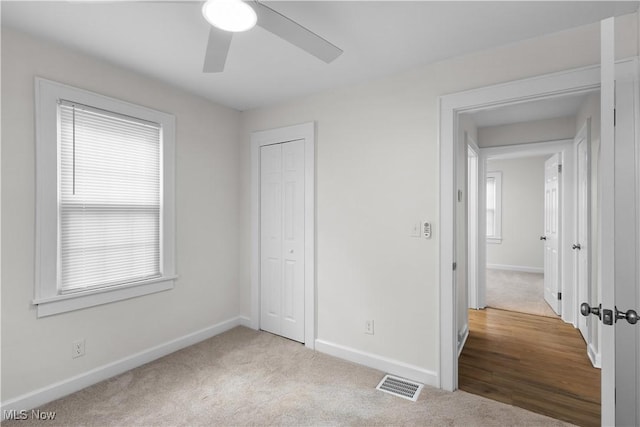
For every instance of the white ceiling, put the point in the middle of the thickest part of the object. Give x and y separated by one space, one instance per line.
548 108
167 40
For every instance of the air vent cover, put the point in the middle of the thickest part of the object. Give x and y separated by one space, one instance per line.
400 387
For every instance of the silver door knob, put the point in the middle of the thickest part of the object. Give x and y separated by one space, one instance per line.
576 246
586 310
630 315
543 237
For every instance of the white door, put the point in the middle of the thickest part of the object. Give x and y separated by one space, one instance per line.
581 246
619 235
551 235
627 254
282 239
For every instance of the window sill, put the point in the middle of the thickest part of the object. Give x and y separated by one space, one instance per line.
79 300
494 240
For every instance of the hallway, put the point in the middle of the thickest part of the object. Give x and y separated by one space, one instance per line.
534 362
517 291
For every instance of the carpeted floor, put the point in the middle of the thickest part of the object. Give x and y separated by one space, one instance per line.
516 291
244 377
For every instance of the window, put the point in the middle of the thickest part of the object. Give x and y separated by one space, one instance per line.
494 207
104 199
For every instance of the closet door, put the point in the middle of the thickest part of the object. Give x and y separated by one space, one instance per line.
282 239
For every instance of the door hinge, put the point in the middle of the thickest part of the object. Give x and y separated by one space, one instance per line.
559 296
559 168
455 265
614 117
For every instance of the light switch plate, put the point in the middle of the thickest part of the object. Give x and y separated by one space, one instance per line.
426 229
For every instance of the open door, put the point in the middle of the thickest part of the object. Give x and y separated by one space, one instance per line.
551 235
618 300
582 245
626 329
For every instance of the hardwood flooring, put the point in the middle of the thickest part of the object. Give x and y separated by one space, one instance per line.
534 362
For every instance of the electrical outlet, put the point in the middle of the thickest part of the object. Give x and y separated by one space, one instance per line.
77 348
368 327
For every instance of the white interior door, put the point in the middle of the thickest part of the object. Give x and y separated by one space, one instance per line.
620 235
582 246
552 232
627 249
282 239
606 216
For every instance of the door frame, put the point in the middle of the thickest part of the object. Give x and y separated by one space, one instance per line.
574 81
536 149
473 224
306 132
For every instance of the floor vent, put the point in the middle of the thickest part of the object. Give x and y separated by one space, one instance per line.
400 387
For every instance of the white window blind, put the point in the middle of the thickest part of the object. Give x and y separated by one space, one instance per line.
109 198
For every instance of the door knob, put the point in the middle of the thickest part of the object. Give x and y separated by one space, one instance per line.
576 246
630 315
586 310
543 237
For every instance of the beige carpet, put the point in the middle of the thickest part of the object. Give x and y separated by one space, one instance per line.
244 377
516 291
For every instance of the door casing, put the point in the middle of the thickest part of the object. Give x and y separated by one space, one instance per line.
473 160
575 81
306 132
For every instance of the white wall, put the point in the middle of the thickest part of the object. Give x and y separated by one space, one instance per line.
522 214
377 173
37 352
527 132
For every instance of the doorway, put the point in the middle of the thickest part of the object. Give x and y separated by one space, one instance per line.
528 220
518 237
617 368
540 88
283 232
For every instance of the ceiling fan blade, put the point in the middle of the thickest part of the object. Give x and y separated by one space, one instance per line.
217 49
295 33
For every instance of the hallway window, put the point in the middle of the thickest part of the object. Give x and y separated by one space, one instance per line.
494 207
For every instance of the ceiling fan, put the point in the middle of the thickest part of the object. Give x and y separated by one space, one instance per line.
229 16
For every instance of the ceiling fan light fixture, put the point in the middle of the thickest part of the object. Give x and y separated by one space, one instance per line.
229 15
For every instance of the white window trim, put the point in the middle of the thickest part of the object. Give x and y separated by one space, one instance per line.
497 237
48 299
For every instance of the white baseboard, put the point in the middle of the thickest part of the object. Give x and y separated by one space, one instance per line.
520 268
245 321
463 340
395 367
594 357
71 385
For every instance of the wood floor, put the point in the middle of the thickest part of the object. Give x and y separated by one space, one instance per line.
534 362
